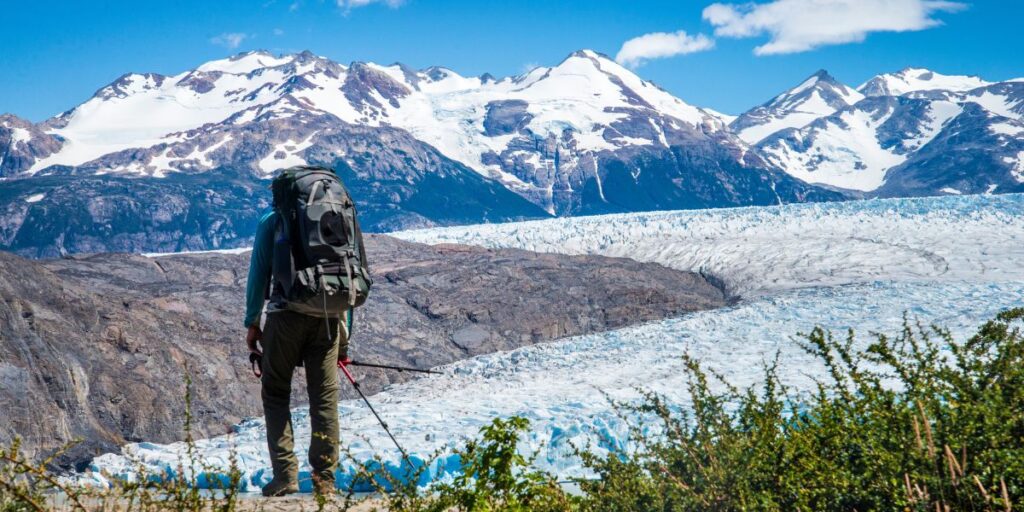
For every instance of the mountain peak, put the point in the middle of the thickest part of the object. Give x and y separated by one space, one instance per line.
818 95
820 83
911 79
591 55
822 74
247 62
587 53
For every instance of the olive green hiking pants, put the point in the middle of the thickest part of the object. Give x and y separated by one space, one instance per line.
288 339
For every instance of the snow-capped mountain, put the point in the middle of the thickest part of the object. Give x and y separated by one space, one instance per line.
910 80
818 96
540 134
422 147
855 147
915 132
432 147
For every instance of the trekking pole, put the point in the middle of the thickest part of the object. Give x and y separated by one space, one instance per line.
374 411
397 368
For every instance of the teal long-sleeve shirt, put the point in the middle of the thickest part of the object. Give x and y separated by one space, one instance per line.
260 268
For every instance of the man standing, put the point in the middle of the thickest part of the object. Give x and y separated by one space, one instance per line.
308 253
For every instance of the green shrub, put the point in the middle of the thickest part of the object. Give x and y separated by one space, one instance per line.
919 421
27 486
495 477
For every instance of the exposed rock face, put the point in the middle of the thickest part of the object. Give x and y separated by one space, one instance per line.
398 183
975 153
648 180
96 346
505 117
22 143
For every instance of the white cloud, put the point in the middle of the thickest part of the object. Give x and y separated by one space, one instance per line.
278 32
229 40
658 45
801 25
352 4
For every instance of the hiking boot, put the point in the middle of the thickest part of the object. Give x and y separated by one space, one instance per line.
323 486
280 487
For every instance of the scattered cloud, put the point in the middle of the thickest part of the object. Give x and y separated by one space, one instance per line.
348 5
659 45
278 32
229 40
294 6
801 25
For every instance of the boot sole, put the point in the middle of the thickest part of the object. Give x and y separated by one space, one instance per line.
283 492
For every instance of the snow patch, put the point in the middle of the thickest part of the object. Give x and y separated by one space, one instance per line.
1018 169
996 103
291 157
845 154
244 64
237 250
35 198
20 135
938 114
1007 129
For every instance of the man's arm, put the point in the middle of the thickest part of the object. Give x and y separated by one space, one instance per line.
260 268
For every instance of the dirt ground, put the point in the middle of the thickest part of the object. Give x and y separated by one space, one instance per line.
303 503
248 503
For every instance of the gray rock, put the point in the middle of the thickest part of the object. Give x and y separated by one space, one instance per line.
506 117
22 143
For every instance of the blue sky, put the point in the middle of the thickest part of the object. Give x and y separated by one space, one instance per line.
55 55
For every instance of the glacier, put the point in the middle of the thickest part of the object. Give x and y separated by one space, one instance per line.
951 261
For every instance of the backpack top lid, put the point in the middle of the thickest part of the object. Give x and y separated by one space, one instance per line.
282 188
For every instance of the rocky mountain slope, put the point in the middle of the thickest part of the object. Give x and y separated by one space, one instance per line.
95 347
912 133
432 147
818 96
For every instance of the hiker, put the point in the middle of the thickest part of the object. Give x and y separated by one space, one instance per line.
308 260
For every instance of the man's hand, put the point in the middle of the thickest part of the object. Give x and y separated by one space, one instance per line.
254 336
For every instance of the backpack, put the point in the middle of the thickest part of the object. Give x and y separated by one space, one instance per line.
319 262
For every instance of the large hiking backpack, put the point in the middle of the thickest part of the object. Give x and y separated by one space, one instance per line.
319 263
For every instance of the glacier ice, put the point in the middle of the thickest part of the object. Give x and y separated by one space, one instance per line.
951 261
